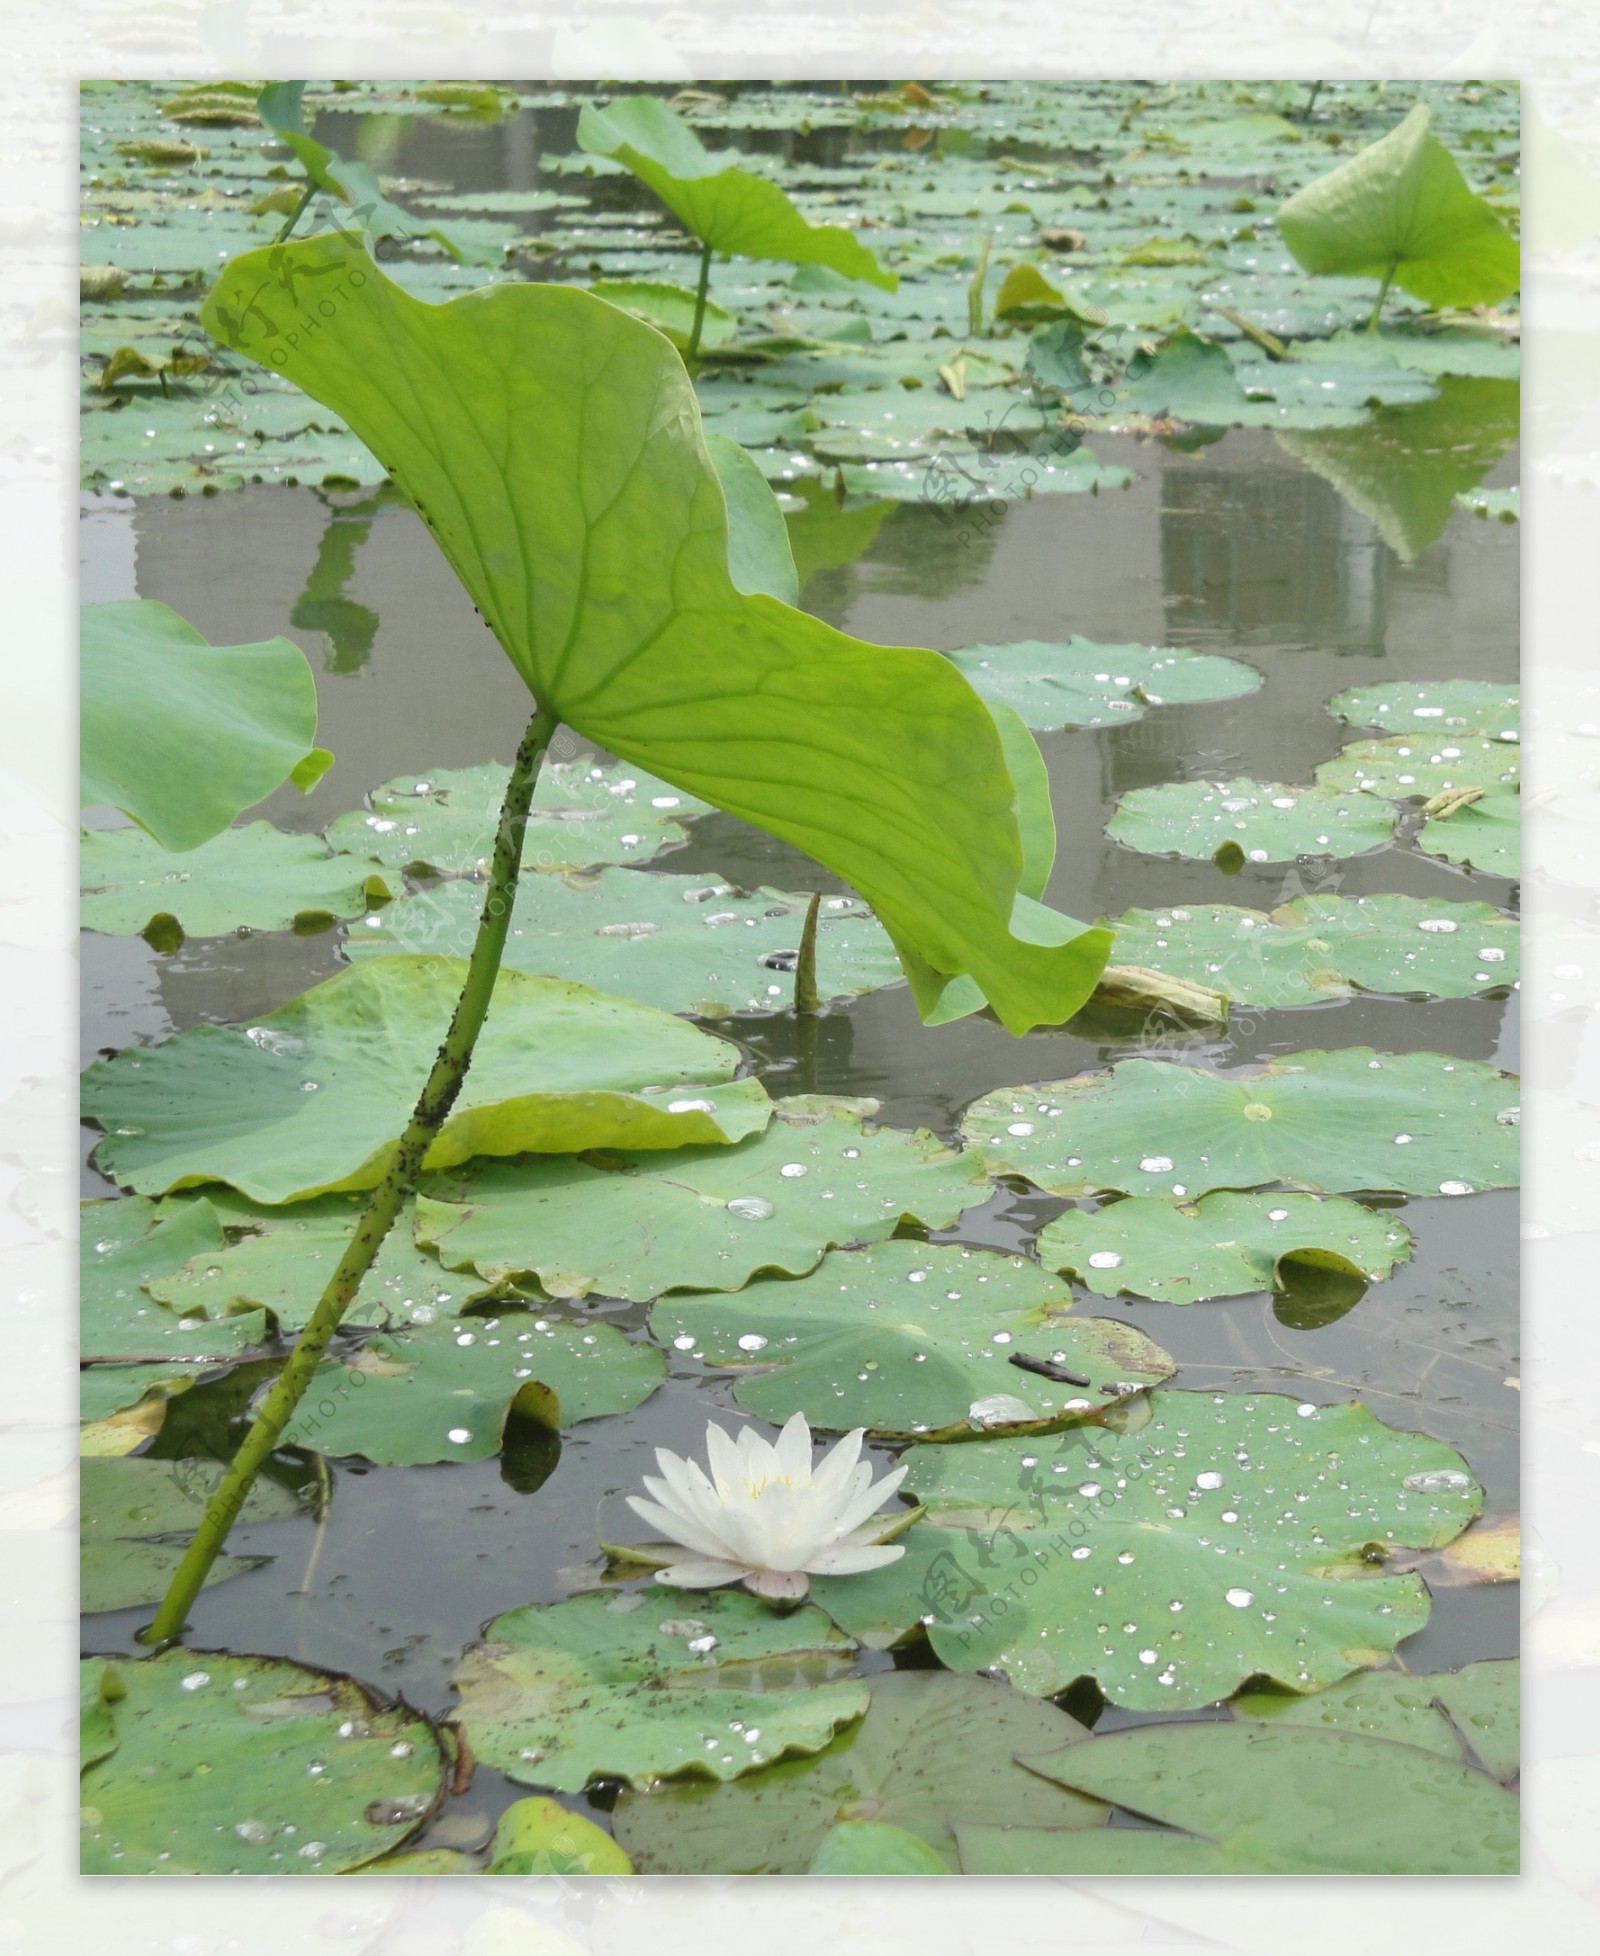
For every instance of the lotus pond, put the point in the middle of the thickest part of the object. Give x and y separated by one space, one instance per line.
1189 1311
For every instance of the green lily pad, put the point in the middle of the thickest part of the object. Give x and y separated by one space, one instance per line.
1221 1246
1416 1123
1082 684
542 1837
955 484
125 1246
254 878
442 821
1484 835
444 1391
1492 505
670 309
934 1753
1434 706
708 1218
873 1847
314 1097
1187 379
136 1516
1254 1801
1407 767
1477 1705
219 1765
120 1406
633 1685
1172 1561
182 735
1235 822
914 1338
684 943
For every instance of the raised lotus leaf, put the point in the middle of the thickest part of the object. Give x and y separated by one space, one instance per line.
1236 822
1081 684
1416 1123
915 1339
315 1096
707 1218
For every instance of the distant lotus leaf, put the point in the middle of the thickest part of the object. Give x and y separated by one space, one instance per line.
315 1096
444 1391
135 1520
914 1338
182 735
1220 1246
1319 947
708 1218
1485 834
759 557
1400 209
669 308
442 821
1235 822
1171 1561
1237 1800
727 208
1434 706
256 1726
878 761
952 482
1416 1123
684 943
1409 767
933 1753
633 1685
1187 379
1081 684
252 878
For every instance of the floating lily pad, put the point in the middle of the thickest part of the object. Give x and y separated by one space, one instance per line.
314 1097
254 878
122 1406
218 1765
444 1391
873 1847
135 1520
707 1218
1434 707
1186 379
1170 1562
1416 1123
1406 768
1248 1801
633 1685
1318 948
442 821
684 943
1485 834
1235 822
933 1754
976 480
914 1338
127 1245
1476 1706
1221 1246
1081 684
542 1837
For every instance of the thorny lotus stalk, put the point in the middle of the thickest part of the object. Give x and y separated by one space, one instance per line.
700 302
438 1096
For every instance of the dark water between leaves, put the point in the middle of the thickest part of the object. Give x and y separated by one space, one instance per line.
1235 549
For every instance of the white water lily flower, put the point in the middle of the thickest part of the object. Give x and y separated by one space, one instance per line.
767 1517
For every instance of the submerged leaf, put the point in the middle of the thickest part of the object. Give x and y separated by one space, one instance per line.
136 1518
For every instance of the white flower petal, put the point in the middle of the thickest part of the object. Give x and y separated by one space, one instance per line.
871 1500
727 1462
702 1540
777 1585
794 1449
700 1575
851 1558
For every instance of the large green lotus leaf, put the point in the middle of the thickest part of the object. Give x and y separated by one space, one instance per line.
444 1391
1221 1246
1405 467
1478 1704
134 1521
442 821
759 557
316 1095
1082 684
1234 822
224 1765
684 943
724 206
1187 379
283 1263
636 1684
1047 1851
182 735
1408 767
933 1753
128 1245
709 1218
1401 209
1254 1800
120 1406
254 878
878 761
1416 1123
670 309
1229 1536
1484 835
1319 947
873 1847
914 1339
1448 707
